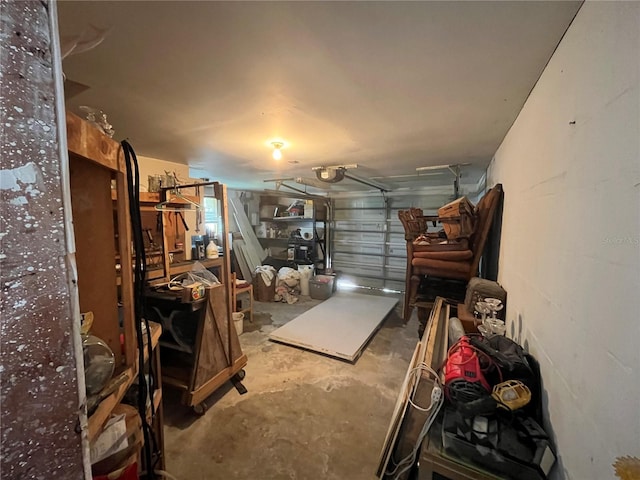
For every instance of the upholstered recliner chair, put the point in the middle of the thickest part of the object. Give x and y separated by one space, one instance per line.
452 259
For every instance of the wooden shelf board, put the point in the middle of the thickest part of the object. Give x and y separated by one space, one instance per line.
155 273
149 197
105 408
154 197
182 267
156 331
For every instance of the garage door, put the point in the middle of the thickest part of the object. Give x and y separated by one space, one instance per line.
368 246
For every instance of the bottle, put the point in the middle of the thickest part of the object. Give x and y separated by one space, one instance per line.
212 250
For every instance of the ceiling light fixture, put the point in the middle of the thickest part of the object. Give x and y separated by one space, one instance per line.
337 173
277 153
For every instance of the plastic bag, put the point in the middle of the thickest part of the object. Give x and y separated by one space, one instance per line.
205 276
288 276
197 274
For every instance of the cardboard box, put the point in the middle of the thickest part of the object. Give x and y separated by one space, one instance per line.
461 216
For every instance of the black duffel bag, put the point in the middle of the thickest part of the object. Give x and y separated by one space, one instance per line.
514 364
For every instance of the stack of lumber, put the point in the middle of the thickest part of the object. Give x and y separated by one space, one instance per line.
248 251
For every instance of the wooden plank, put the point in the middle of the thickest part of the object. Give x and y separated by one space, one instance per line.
221 194
434 322
398 414
247 254
248 263
215 354
86 141
254 249
149 197
158 421
441 348
95 249
153 198
103 412
405 423
339 327
247 272
420 392
126 274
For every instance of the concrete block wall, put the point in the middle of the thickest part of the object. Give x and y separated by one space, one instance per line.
570 257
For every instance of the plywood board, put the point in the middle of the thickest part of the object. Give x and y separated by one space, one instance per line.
213 354
340 326
398 414
247 271
433 340
402 419
220 346
254 252
95 248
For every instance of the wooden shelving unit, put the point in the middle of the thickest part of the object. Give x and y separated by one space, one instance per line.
160 228
102 230
200 348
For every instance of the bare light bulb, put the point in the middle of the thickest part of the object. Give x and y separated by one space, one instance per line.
277 154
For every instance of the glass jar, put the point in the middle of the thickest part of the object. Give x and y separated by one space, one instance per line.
99 363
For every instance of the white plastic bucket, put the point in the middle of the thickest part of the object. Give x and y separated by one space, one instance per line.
238 321
306 271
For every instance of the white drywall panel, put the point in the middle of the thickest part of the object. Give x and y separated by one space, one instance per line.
339 327
570 252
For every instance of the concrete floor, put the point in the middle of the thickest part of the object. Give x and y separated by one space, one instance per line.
305 416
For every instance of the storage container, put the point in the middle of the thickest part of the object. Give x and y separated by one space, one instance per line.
238 322
463 210
321 287
262 292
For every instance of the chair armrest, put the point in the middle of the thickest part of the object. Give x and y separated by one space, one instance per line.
431 218
435 218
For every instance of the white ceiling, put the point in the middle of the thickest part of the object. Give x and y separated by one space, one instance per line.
390 86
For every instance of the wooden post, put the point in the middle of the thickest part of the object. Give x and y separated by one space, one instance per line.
39 337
